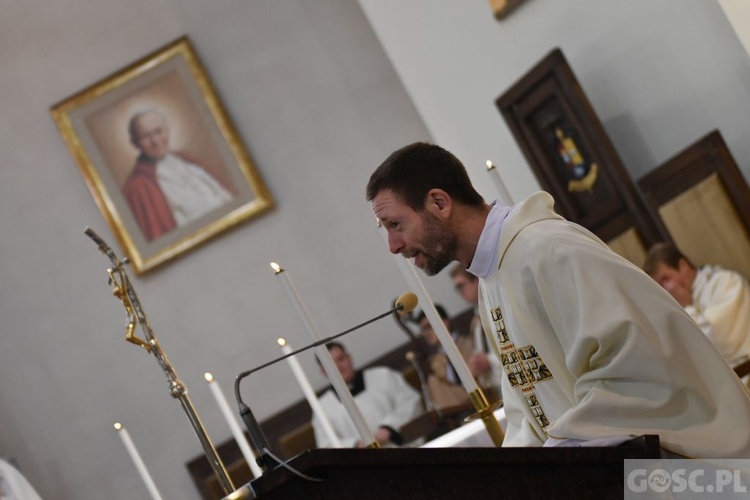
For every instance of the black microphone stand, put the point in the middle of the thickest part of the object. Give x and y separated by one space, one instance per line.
258 439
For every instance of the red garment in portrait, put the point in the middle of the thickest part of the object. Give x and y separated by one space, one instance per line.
146 199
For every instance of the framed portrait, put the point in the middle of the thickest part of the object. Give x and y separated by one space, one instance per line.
160 156
572 156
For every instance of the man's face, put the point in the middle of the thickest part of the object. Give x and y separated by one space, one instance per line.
418 235
467 288
677 282
428 333
343 363
152 135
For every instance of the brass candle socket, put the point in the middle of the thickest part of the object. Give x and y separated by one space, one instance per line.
486 412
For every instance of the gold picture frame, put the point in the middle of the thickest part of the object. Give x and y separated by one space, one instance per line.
160 156
501 8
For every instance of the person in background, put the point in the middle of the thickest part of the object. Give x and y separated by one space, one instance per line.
385 399
484 365
593 350
443 384
717 299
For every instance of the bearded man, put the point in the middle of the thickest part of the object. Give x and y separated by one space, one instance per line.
593 349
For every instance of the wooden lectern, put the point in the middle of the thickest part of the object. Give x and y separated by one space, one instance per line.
460 473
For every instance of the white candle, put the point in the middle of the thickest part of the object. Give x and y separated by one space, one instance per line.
476 395
309 393
503 194
446 341
478 337
136 457
239 436
334 376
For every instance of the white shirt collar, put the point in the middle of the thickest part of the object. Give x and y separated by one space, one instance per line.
485 258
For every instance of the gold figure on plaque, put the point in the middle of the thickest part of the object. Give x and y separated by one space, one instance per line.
580 176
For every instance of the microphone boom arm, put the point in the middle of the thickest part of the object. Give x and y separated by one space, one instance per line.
405 302
314 344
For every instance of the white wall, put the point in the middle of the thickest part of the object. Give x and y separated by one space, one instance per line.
318 105
659 74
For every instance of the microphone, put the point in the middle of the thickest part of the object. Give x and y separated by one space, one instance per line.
405 303
429 405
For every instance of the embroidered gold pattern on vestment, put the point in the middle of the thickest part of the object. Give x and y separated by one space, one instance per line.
523 365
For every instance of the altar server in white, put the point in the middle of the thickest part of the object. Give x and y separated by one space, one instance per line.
592 348
717 299
385 399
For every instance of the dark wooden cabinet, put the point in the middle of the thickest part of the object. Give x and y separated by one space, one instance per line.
570 153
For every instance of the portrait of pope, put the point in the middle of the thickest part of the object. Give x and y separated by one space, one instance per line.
167 188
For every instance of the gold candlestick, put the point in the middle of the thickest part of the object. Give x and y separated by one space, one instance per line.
486 412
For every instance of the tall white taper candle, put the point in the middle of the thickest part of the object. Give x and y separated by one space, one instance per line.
138 461
332 372
454 355
309 393
231 419
502 191
478 337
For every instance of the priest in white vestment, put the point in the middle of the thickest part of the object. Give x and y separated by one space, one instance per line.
593 350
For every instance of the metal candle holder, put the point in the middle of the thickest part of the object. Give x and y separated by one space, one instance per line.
123 290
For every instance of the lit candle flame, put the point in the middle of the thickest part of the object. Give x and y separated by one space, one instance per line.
281 341
489 164
276 268
209 378
118 426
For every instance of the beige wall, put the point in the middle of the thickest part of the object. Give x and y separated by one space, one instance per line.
738 13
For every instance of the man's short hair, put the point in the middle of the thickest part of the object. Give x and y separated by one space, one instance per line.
663 253
441 312
410 172
330 346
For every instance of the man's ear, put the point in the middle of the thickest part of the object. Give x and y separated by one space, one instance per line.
439 203
683 265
